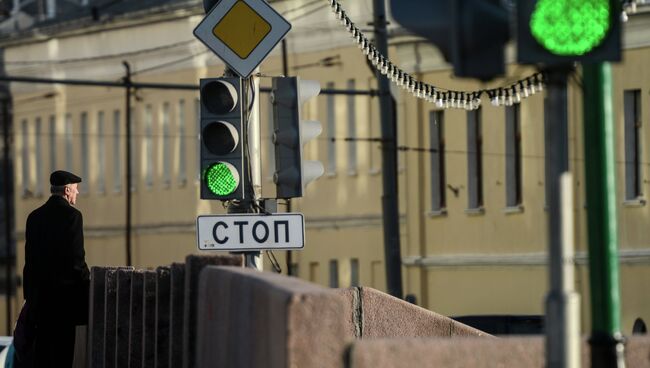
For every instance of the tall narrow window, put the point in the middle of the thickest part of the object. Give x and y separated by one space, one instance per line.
182 171
166 143
331 132
68 142
437 156
334 273
352 129
313 272
38 156
513 156
117 157
148 146
101 153
52 138
474 160
632 106
25 158
354 272
83 129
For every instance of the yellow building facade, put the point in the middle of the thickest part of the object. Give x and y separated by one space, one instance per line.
459 258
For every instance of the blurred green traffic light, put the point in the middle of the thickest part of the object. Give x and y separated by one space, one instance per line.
221 178
570 27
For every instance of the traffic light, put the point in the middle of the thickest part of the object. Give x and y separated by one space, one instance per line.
290 133
564 31
223 162
471 34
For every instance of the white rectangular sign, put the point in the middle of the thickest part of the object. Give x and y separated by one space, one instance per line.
241 232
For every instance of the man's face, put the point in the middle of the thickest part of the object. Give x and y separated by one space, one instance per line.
71 192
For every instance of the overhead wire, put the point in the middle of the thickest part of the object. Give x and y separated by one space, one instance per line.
99 57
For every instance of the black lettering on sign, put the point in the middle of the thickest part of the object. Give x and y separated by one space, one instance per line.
276 227
241 224
214 232
266 231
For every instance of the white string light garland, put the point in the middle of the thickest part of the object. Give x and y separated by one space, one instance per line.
443 98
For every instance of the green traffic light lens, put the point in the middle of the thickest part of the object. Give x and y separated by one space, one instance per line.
221 178
570 27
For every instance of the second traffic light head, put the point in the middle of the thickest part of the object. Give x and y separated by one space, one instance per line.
470 34
223 160
291 133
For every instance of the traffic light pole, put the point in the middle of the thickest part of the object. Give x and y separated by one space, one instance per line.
390 207
285 72
250 130
607 343
128 89
562 331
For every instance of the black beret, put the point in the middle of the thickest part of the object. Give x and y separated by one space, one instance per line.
60 178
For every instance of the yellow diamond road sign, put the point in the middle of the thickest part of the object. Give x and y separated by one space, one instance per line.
242 32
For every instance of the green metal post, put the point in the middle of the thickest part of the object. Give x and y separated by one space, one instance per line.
606 339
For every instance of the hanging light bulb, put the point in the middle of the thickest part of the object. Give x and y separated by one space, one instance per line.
412 85
477 100
375 58
516 94
540 83
438 100
501 99
508 98
447 100
399 80
530 87
523 90
494 100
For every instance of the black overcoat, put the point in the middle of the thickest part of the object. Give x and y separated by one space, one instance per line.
56 277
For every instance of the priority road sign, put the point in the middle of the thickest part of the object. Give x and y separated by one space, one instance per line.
244 232
242 32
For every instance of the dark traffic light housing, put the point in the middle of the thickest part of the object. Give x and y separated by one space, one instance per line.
290 133
223 136
470 34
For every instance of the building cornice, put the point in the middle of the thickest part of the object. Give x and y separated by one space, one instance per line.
626 256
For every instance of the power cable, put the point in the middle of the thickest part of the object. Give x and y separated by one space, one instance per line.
163 65
100 57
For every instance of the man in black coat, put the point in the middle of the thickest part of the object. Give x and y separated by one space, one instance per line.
56 277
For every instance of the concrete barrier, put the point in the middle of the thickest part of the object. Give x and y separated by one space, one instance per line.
149 320
163 288
194 264
136 319
110 319
96 317
637 351
472 352
445 352
257 319
123 314
176 314
371 313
